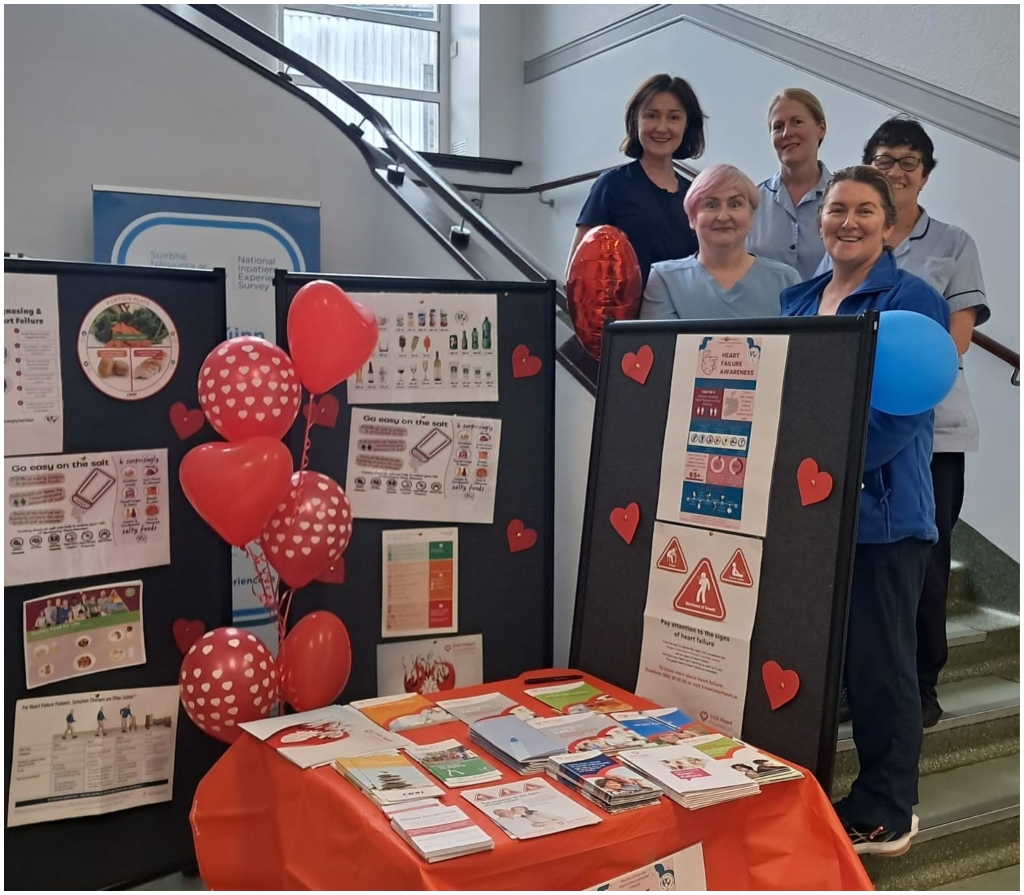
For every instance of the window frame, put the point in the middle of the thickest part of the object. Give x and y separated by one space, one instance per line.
441 26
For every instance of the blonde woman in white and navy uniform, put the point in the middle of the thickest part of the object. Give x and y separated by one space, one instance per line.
785 227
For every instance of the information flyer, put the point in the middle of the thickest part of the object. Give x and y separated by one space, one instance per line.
421 582
682 871
33 402
79 632
68 516
723 421
91 753
701 602
430 666
422 466
430 348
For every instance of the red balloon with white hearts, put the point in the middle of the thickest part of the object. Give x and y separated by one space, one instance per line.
248 387
309 529
227 677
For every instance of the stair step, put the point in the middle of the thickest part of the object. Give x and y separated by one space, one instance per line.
1005 880
972 796
965 702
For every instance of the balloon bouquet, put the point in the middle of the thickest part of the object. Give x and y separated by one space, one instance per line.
245 489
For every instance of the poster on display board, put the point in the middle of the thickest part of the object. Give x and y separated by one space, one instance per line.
69 516
250 238
723 422
431 348
33 393
82 754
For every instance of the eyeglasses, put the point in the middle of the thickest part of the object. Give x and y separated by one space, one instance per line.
908 163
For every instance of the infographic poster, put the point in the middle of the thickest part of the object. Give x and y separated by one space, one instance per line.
722 427
421 582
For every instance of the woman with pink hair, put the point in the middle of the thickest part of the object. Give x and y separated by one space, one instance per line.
722 280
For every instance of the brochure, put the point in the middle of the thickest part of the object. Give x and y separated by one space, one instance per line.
491 705
754 763
690 777
530 808
515 743
438 832
603 780
659 727
312 739
402 712
386 778
453 764
589 731
571 699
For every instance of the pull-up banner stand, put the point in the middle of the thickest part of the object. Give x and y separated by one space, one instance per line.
720 523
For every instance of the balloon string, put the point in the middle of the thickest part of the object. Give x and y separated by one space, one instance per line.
282 615
306 443
267 592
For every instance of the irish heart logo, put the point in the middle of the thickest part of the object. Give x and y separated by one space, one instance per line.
814 485
323 412
519 536
780 684
637 366
523 363
625 520
704 716
186 633
186 422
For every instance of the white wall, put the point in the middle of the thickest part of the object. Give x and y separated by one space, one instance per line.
552 25
464 83
116 95
573 123
980 43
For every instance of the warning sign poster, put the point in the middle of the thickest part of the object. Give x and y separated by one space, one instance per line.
698 620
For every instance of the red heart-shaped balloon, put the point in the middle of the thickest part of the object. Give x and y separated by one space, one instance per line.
323 412
519 536
186 633
625 520
523 363
186 422
603 281
329 335
813 484
637 366
235 486
780 685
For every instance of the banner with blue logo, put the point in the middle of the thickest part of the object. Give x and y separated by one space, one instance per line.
250 239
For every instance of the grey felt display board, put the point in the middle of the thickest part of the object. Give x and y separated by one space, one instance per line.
505 596
131 846
806 565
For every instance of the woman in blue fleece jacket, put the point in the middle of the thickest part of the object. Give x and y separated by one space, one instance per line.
896 525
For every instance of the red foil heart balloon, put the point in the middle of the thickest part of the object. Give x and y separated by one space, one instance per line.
604 281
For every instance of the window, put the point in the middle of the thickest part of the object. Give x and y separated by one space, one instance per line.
390 54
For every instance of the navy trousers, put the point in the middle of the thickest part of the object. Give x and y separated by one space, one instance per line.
932 651
881 680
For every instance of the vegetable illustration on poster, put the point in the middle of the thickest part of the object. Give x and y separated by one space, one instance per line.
250 239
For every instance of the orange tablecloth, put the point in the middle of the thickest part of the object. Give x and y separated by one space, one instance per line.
259 822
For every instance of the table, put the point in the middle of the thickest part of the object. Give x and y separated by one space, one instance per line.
260 822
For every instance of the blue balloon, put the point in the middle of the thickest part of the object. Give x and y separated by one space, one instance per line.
915 363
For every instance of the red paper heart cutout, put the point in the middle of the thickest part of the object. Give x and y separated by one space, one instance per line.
523 363
637 366
780 685
186 633
324 412
519 536
186 422
625 520
814 484
334 573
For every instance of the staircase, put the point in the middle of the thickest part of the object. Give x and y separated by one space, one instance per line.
970 763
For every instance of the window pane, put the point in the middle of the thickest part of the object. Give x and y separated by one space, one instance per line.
353 50
418 123
411 10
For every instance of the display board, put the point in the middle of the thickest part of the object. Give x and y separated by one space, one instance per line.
123 406
740 553
480 416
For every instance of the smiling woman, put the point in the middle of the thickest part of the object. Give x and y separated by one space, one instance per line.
644 199
785 228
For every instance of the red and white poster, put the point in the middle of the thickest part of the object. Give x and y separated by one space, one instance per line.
430 666
697 625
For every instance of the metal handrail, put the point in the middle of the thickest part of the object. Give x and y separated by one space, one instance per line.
552 184
396 146
1007 355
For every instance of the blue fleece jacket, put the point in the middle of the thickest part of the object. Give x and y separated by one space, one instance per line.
896 501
